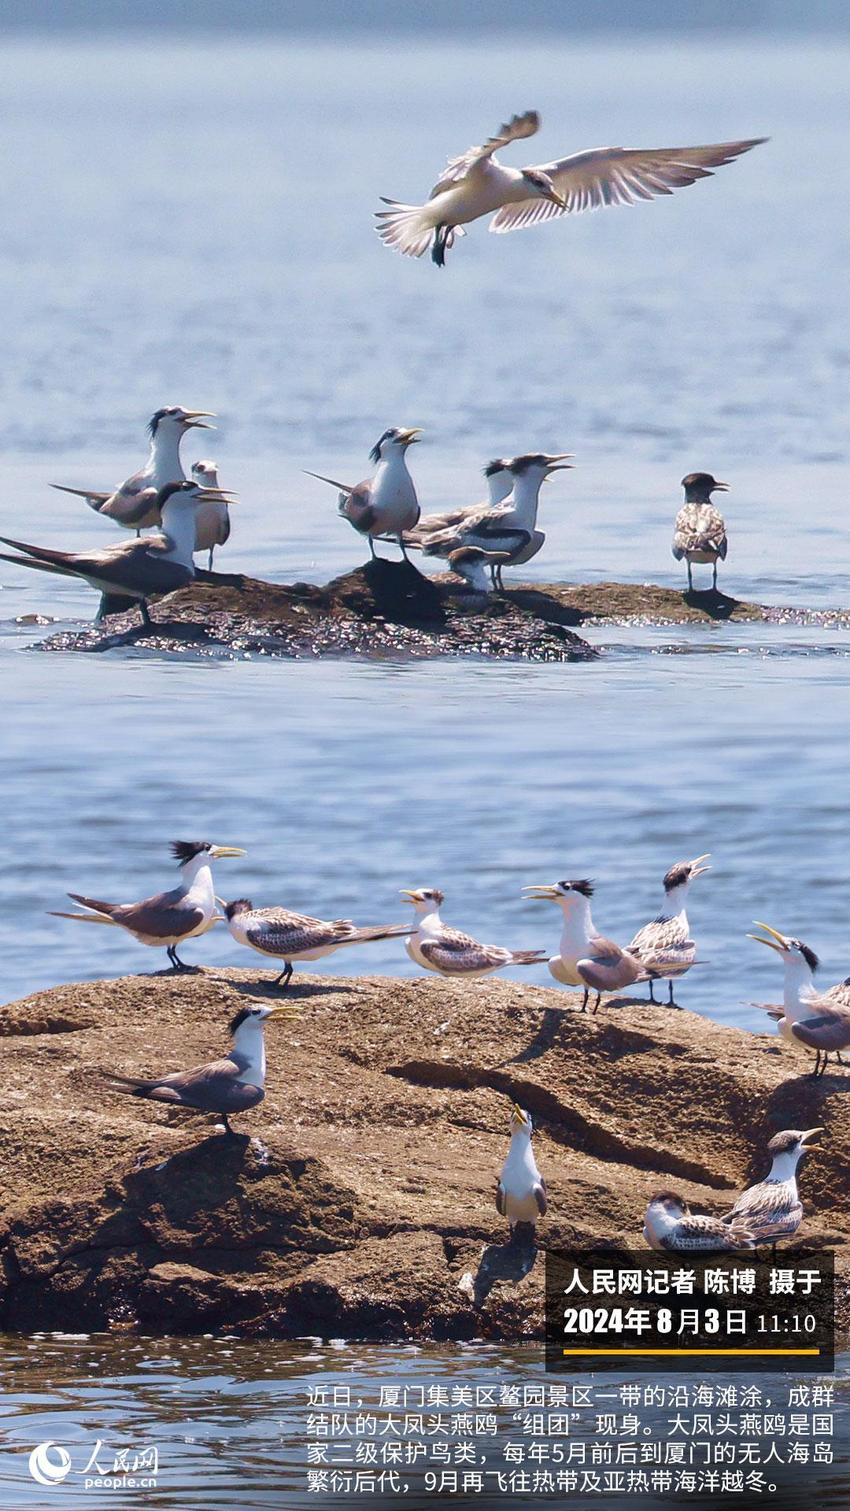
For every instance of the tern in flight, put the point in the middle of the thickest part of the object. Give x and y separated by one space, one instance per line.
477 184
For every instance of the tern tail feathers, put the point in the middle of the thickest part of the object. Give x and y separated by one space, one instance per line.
93 498
84 917
92 902
528 957
343 487
379 931
38 566
408 228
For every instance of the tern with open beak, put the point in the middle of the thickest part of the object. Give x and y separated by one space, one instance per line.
133 571
520 1189
168 918
818 1020
671 1227
772 1208
212 521
585 958
224 1087
289 936
385 504
508 527
448 952
665 943
699 534
477 184
134 504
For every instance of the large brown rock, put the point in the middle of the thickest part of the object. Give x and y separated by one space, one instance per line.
359 1194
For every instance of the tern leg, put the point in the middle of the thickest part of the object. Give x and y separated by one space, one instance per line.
690 579
228 1131
145 611
671 1000
283 979
372 552
651 992
181 965
403 547
210 559
584 1000
714 580
438 250
597 1002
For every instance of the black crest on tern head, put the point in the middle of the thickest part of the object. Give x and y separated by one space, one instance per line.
583 886
665 1196
187 849
239 905
160 414
810 957
677 875
241 1017
388 435
782 1142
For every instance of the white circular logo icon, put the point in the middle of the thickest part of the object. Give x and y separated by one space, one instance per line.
49 1464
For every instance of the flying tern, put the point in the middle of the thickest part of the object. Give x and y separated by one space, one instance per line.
477 184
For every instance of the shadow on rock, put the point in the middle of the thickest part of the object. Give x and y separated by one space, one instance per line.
501 1264
712 602
390 590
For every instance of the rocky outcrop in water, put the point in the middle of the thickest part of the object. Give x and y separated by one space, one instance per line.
359 1195
388 609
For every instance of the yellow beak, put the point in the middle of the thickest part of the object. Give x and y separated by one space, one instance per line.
811 1133
541 892
220 852
195 418
283 1010
782 943
409 436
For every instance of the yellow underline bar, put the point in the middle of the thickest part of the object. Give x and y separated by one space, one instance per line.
711 1353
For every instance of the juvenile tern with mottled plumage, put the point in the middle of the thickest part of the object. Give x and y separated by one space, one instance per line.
288 936
772 1208
699 534
436 947
477 184
665 943
671 1227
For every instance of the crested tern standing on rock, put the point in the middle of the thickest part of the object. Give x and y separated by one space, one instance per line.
385 504
700 529
818 1020
520 1189
499 480
671 1227
509 527
234 1084
666 942
212 522
436 947
134 504
135 570
166 919
584 957
476 184
296 936
772 1208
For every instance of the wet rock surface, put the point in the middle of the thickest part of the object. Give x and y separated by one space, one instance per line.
357 1198
387 610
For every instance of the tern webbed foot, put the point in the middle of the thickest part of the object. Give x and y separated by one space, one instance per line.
282 981
438 250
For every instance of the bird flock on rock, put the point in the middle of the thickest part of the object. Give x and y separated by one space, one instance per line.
662 949
192 515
